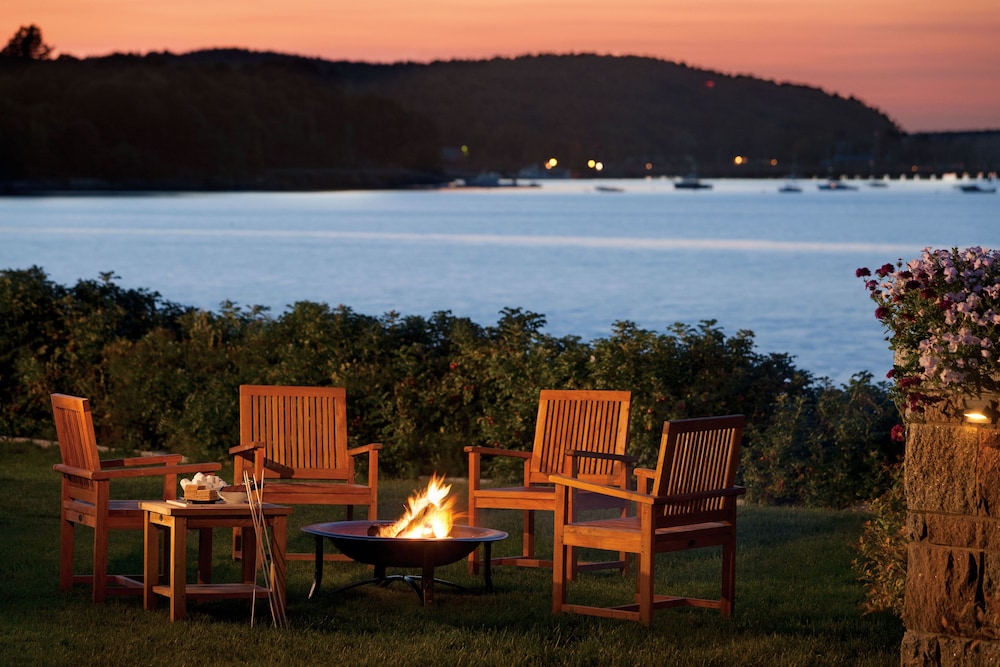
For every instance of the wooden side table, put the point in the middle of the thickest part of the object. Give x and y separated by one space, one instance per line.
173 520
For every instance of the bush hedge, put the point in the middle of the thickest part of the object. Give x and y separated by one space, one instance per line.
166 377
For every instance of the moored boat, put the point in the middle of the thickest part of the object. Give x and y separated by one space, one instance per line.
836 185
987 187
691 182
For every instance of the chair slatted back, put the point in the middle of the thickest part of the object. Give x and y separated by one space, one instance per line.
592 421
77 442
698 455
304 431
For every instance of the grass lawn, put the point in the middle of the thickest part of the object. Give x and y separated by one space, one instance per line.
797 600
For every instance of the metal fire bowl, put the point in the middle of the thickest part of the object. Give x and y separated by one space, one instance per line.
353 540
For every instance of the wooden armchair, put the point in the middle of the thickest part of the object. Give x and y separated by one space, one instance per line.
688 502
86 495
295 440
568 421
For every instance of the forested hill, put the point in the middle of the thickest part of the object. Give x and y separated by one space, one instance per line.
627 112
234 119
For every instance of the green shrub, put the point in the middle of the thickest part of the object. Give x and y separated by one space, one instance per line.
163 377
824 447
881 561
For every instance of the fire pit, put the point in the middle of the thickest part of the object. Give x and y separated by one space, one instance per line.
425 536
354 539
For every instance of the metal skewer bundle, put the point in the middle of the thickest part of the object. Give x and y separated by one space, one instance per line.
265 559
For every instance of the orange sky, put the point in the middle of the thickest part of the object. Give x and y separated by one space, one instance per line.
929 65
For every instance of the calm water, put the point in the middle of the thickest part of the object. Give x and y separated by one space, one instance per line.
781 265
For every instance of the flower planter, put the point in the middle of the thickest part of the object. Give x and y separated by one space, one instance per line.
942 314
952 481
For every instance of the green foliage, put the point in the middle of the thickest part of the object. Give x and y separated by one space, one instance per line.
55 339
825 446
881 561
162 377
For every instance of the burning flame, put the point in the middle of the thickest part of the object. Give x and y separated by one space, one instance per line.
428 513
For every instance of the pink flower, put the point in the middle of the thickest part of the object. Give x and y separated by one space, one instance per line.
897 433
862 272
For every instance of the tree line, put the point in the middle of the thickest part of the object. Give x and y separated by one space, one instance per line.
237 119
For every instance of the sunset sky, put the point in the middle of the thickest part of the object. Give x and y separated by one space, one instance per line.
928 64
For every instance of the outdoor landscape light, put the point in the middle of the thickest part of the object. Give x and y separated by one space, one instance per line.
980 411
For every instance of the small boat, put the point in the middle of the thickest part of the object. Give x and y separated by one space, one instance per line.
691 182
978 187
790 186
877 183
608 188
836 185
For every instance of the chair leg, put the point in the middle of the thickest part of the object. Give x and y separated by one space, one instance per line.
645 577
529 534
473 514
66 546
559 574
728 578
100 577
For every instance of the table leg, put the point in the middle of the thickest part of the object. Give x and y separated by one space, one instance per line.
279 530
178 568
204 555
248 537
151 561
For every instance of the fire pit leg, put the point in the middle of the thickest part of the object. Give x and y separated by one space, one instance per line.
487 566
428 585
317 568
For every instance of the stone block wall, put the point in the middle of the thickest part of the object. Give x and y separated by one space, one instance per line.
952 479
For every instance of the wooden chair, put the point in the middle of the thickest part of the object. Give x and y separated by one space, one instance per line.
568 421
688 502
86 495
295 440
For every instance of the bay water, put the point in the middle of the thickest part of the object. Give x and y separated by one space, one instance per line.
583 253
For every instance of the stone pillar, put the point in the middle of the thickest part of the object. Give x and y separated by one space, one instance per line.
952 481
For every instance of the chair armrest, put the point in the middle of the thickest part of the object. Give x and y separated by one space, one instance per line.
644 479
475 458
365 449
613 491
125 473
681 498
246 450
496 451
158 459
572 463
372 449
